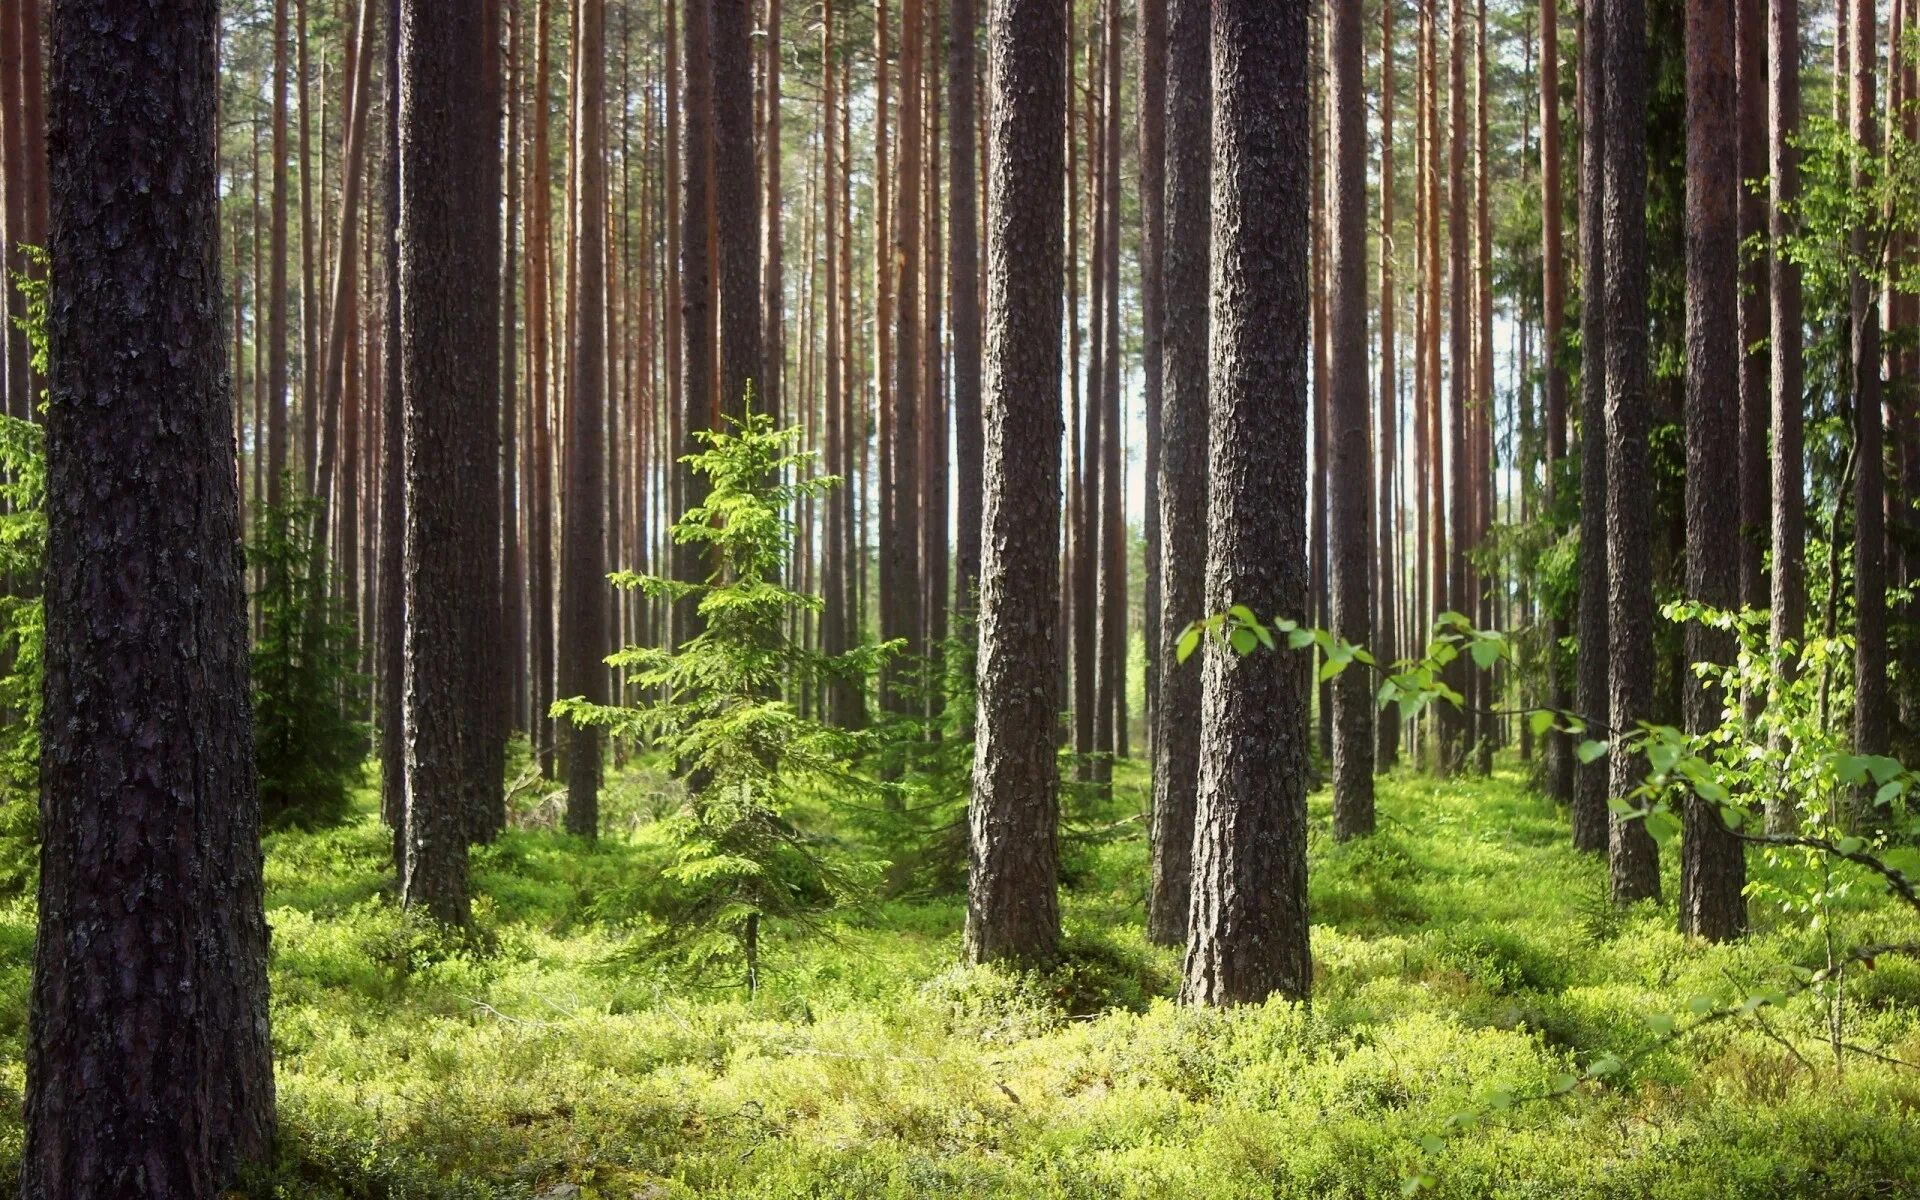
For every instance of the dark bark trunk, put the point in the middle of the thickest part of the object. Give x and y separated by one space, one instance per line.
1183 463
277 279
1633 858
583 548
697 396
1386 647
1559 747
1349 496
444 319
1456 726
1870 696
1152 98
1012 905
1712 861
393 471
1110 588
900 575
963 271
1591 698
736 205
149 1070
1750 89
1248 928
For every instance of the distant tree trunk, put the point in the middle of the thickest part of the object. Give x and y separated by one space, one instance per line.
1387 747
772 260
1085 537
1750 86
1248 928
1456 726
393 472
513 482
1317 539
487 744
936 547
444 318
837 621
1183 463
1152 98
277 276
1559 748
1012 904
697 396
1783 277
1633 857
900 551
1591 698
13 230
1712 860
1870 698
736 203
1485 726
1350 499
963 272
583 563
149 1070
1110 672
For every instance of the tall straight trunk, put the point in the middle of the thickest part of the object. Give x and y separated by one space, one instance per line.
1486 726
1386 647
1439 591
1152 98
1633 858
150 969
277 271
900 579
1559 747
1086 527
736 204
1110 671
1012 896
513 564
935 546
444 324
540 375
1350 498
487 758
1183 463
24 155
1422 319
772 258
310 268
1788 615
836 619
1870 695
1456 726
1750 90
697 328
1591 696
1317 539
583 552
1712 859
1248 927
393 467
963 281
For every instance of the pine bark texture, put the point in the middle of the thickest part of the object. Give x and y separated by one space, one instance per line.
1712 862
1591 698
1012 902
736 202
1349 496
1248 931
1633 858
1183 463
148 1061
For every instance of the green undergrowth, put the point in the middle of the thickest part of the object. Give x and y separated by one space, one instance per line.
1463 952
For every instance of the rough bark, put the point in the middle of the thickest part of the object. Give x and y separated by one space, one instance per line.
1350 498
1750 90
1152 98
1712 862
1633 858
1591 697
393 470
583 547
277 275
1012 903
1248 936
736 203
1183 463
1783 288
963 272
900 576
443 321
1559 748
697 328
149 1070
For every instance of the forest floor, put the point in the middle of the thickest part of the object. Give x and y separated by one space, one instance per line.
1463 955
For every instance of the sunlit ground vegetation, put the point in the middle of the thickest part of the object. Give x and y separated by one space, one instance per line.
1467 964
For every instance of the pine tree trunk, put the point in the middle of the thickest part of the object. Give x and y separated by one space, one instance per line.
1788 615
1712 860
963 280
1750 88
150 968
1591 697
1350 498
1248 932
1012 904
1183 463
277 278
1386 647
1559 747
1633 858
1110 670
1870 697
697 328
1152 98
736 205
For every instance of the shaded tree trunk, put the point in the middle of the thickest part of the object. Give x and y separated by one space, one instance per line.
1559 747
1350 498
150 968
697 329
1152 99
1750 90
1012 903
963 271
1789 597
1387 748
736 204
1712 860
1591 697
1870 697
1248 928
1183 463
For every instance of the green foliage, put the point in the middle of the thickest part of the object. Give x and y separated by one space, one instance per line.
23 552
712 705
311 752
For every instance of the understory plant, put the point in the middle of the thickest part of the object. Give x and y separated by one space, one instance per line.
741 850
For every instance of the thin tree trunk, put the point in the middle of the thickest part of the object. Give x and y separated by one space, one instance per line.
1750 85
963 272
1788 615
1152 98
1386 649
1592 699
1870 696
736 201
1559 747
697 383
277 275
